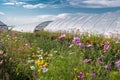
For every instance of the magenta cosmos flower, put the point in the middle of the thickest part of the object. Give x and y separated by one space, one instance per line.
108 67
81 45
106 46
117 63
62 36
76 40
81 75
87 60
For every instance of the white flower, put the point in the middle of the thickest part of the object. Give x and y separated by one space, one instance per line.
40 56
51 55
30 61
32 67
44 69
55 51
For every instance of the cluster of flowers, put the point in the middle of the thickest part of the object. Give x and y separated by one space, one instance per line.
39 62
106 47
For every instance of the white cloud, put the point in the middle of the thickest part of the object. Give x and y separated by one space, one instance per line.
30 6
2 13
41 5
71 3
94 3
12 3
9 3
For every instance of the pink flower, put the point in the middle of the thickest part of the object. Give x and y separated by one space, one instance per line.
117 63
62 36
106 46
108 67
89 45
87 60
81 75
93 75
99 61
80 45
76 40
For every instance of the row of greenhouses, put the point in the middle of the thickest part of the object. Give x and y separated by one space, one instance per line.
104 23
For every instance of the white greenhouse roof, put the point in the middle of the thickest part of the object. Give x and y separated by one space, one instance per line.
100 23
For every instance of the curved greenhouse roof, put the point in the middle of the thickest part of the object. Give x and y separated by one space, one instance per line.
42 25
3 26
99 23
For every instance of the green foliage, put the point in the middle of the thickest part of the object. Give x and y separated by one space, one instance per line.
45 56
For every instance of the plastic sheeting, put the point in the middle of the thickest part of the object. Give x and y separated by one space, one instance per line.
100 23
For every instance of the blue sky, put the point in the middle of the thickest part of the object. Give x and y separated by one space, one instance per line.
18 12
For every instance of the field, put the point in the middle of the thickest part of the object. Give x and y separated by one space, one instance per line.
60 56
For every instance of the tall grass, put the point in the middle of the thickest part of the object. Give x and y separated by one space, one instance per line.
45 56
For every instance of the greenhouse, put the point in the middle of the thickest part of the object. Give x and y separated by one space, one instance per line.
3 26
42 25
98 23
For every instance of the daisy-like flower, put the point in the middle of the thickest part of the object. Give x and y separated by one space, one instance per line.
108 67
62 36
76 40
81 45
87 60
44 69
117 63
81 75
106 45
99 61
32 67
89 45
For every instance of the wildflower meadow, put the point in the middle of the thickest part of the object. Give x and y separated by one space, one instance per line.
47 55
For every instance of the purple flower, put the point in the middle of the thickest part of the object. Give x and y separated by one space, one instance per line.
108 67
87 60
35 74
62 36
106 46
99 61
80 45
81 75
117 63
93 75
76 40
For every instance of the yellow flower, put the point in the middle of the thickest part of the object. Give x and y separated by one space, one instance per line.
76 70
46 64
39 70
26 44
40 62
